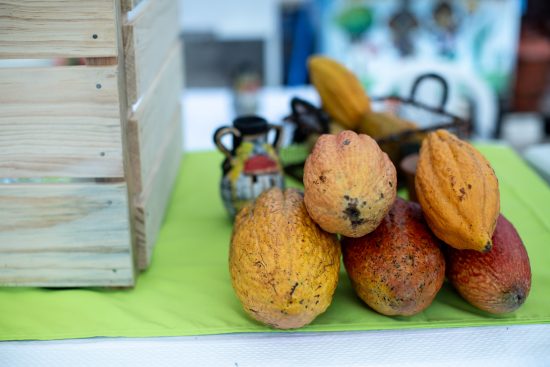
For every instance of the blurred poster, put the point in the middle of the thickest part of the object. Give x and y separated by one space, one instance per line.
380 40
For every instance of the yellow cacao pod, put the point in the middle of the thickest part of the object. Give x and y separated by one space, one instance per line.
383 124
458 192
342 95
284 268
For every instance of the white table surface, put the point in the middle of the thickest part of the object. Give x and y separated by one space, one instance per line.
204 111
485 346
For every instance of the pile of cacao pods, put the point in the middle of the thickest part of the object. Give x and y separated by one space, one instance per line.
286 246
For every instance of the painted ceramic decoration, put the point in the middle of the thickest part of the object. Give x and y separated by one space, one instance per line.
252 165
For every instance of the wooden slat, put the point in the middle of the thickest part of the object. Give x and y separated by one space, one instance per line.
147 41
57 28
149 124
59 235
151 204
123 110
60 122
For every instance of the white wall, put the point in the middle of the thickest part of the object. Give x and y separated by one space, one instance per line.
238 20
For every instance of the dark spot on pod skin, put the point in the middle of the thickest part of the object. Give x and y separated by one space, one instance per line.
390 183
469 187
323 178
346 197
354 215
514 297
488 247
519 299
381 195
293 288
347 142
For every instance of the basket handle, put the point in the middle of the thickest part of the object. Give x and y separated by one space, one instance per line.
439 79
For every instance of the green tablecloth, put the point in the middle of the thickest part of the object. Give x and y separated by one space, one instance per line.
187 290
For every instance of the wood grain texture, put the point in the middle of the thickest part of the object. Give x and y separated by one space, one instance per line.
123 110
57 28
60 122
147 41
151 204
100 61
149 124
59 235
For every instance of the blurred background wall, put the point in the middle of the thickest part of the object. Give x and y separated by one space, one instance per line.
494 54
480 46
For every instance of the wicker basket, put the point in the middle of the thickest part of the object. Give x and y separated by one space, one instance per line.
311 121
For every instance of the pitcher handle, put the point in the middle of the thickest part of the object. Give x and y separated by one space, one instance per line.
278 136
222 131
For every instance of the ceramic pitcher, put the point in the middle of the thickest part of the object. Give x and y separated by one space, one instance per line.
252 165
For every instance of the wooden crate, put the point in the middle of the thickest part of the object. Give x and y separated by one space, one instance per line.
89 153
